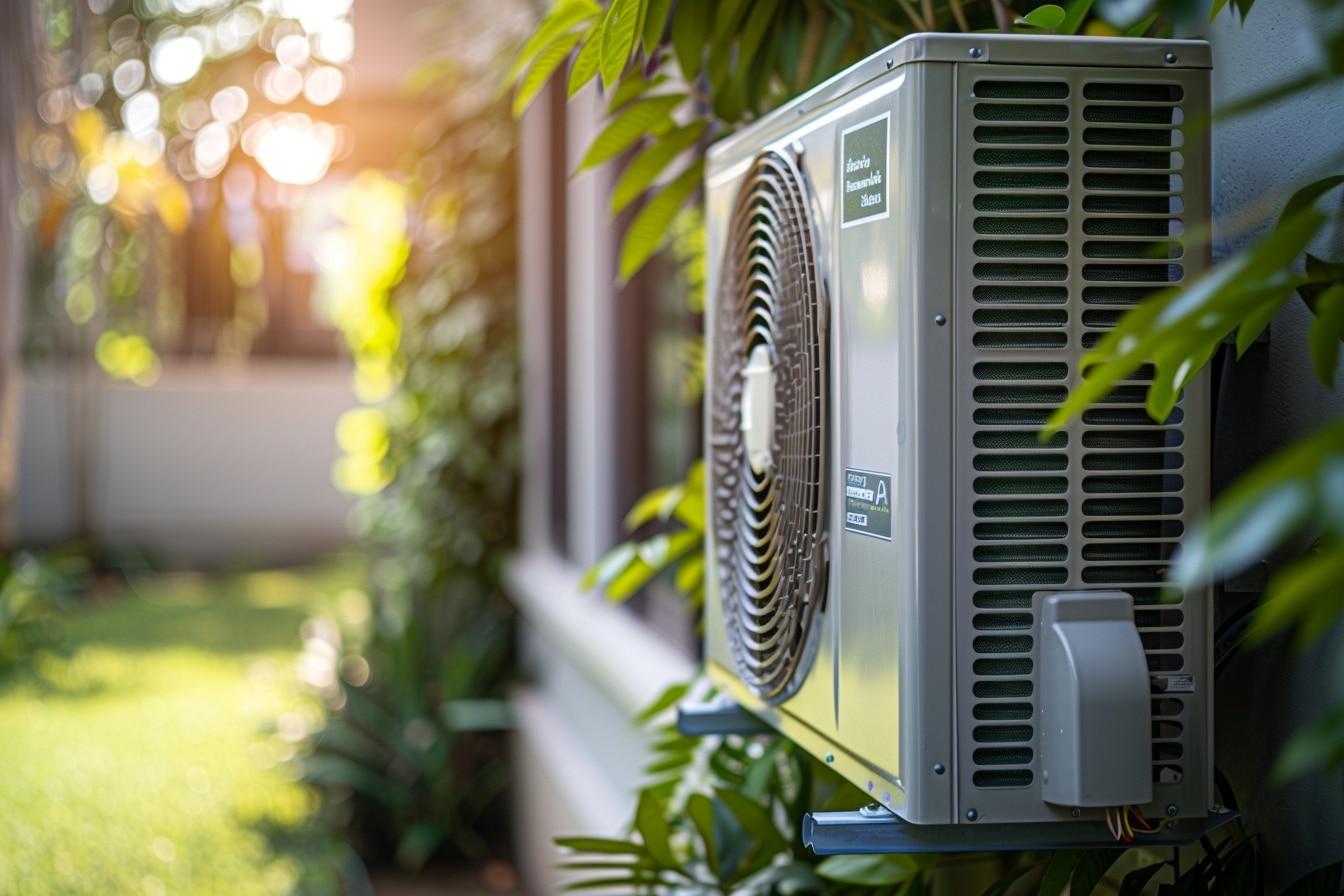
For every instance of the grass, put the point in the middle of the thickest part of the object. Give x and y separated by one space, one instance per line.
147 751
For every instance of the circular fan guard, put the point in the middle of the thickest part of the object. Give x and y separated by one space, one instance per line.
770 525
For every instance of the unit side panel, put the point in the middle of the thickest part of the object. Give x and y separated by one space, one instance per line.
1076 188
925 604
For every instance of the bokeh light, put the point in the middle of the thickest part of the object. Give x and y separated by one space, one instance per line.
336 42
211 149
128 77
176 60
140 113
294 150
323 85
229 105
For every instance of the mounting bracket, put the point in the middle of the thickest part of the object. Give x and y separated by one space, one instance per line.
876 829
721 715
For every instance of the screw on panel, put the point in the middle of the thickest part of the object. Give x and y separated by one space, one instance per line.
972 815
798 148
1172 810
1076 812
801 110
938 768
976 52
886 796
891 63
870 786
830 757
939 319
1171 58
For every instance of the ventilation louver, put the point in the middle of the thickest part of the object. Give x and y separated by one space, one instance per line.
1050 278
768 512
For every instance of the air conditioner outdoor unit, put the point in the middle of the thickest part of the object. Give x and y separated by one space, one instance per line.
907 265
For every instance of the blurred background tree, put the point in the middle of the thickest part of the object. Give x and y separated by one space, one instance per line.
412 759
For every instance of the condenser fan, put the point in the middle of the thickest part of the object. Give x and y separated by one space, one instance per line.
768 446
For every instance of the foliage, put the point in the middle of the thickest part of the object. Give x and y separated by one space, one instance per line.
139 750
34 589
1298 490
140 97
723 815
677 75
717 817
433 319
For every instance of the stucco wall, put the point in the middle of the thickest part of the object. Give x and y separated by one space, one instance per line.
1269 398
212 464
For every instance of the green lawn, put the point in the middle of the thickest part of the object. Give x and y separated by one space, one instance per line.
145 752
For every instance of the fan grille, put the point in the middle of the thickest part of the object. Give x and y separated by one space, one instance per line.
769 525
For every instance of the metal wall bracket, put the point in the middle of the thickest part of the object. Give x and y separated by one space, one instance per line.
876 829
719 716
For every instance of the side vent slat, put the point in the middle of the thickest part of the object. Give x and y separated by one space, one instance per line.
1131 175
1078 216
1020 306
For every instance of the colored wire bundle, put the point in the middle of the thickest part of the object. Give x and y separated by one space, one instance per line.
1124 822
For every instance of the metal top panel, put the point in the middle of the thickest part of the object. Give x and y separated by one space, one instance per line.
999 49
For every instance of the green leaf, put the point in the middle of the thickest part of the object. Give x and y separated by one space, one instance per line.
1239 871
620 26
1074 14
649 507
763 15
556 52
647 116
690 28
1262 509
1327 329
701 812
418 843
755 818
868 870
1092 867
652 827
601 846
728 15
640 173
1001 885
630 883
631 579
793 29
1307 197
585 64
1058 872
655 22
1179 329
690 573
1321 882
1136 880
666 700
661 551
614 865
833 42
650 226
562 17
1047 18
632 87
610 566
1306 594
1139 29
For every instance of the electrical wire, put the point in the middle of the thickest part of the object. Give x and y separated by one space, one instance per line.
1110 824
1139 823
